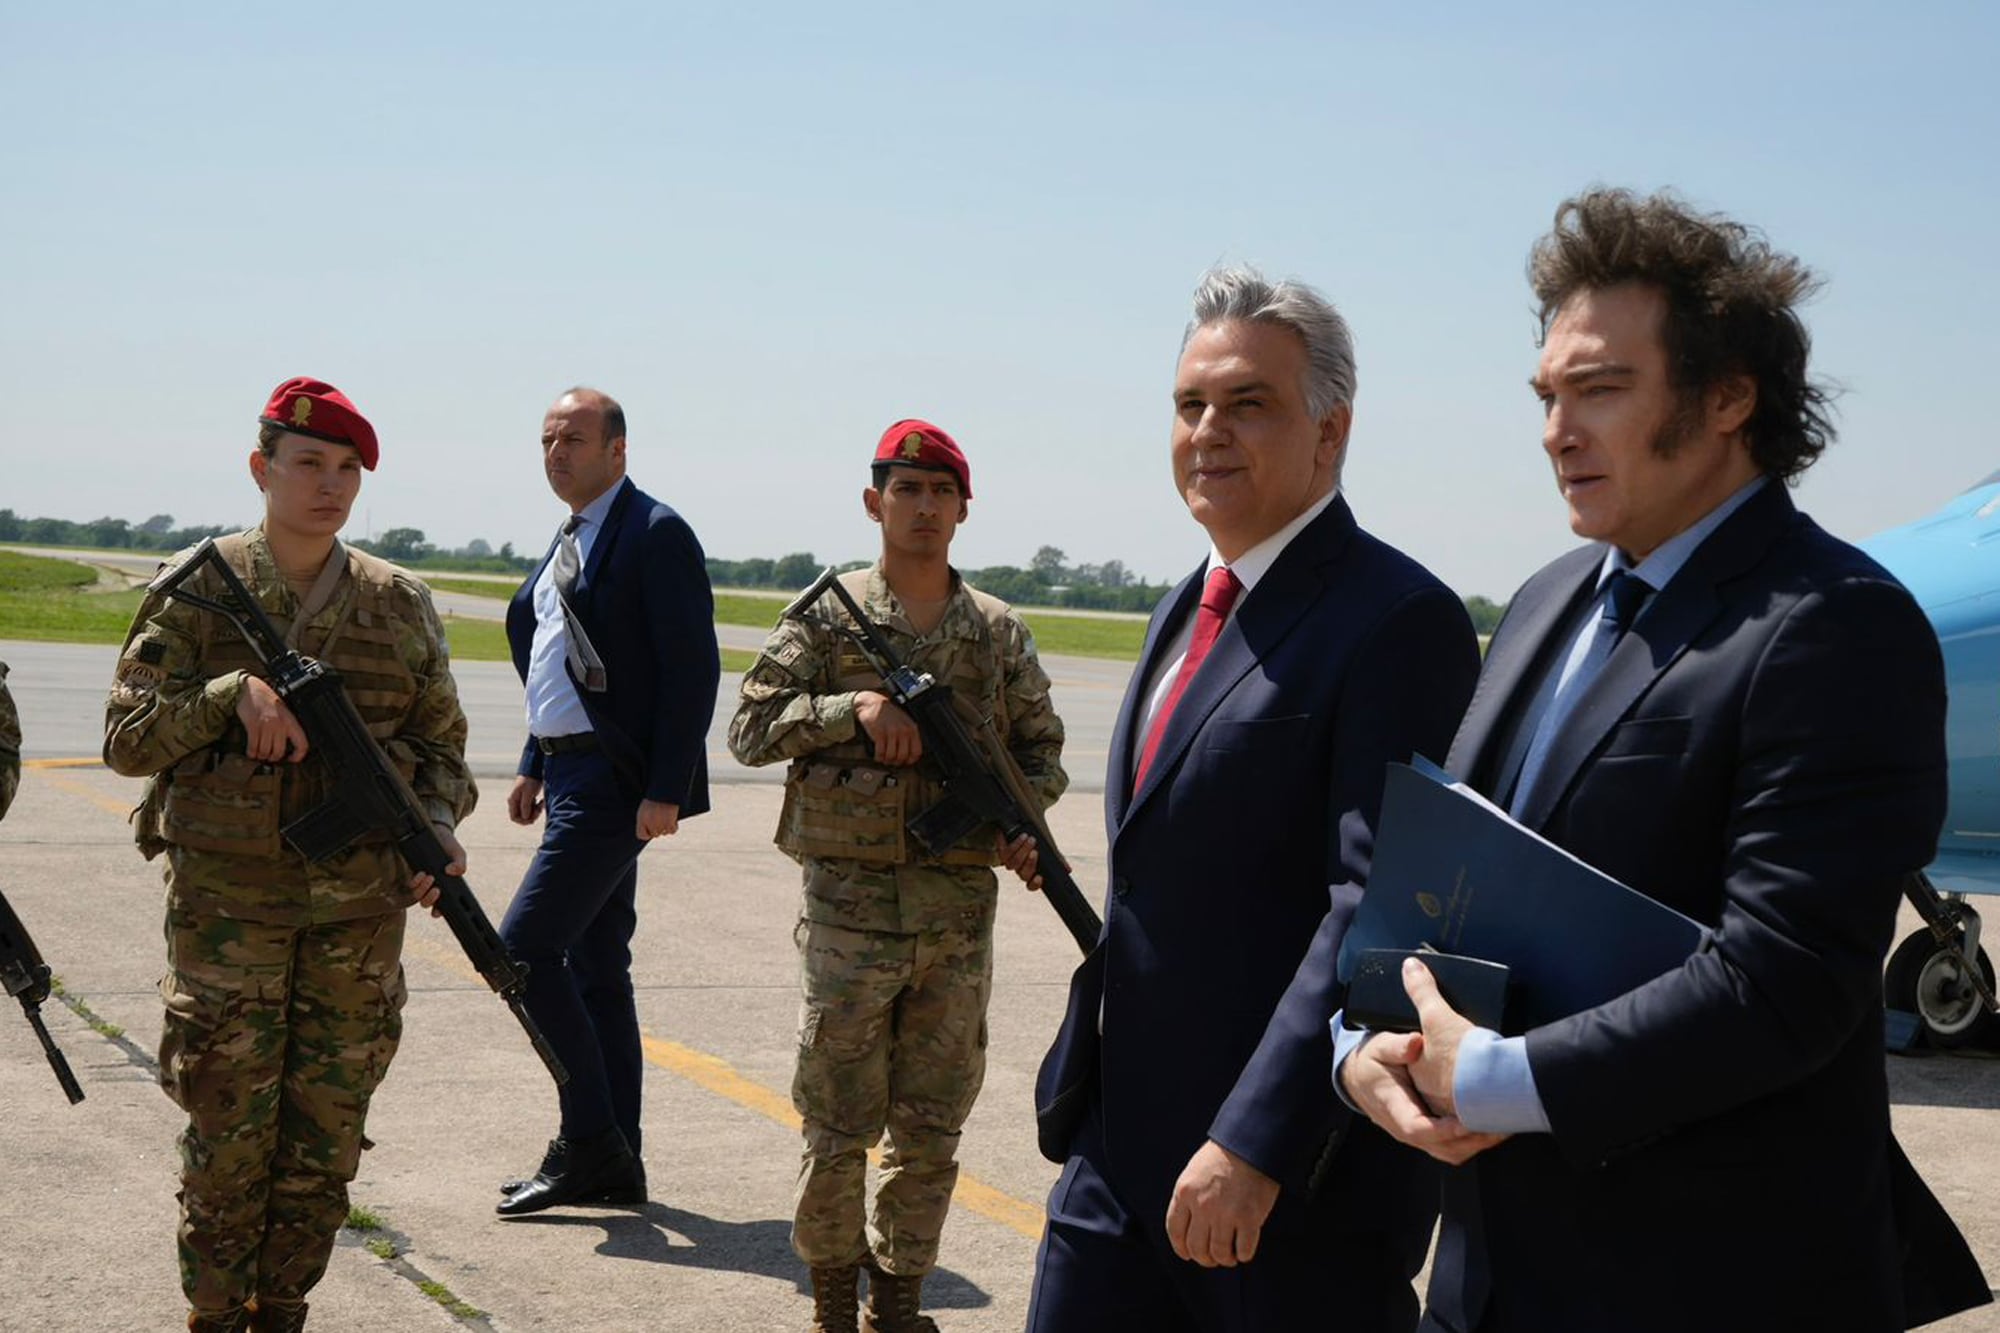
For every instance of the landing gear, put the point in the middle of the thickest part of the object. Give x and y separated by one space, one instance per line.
1940 973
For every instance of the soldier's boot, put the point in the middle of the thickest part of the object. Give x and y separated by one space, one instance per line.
268 1316
227 1321
836 1299
893 1304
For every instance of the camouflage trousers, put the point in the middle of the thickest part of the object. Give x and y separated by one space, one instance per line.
275 1038
892 1040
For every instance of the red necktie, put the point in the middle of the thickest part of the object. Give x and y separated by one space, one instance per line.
1217 596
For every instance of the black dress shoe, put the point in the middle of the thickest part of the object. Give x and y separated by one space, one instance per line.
630 1190
625 1190
554 1162
599 1170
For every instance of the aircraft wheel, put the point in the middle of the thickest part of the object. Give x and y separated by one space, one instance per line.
1925 980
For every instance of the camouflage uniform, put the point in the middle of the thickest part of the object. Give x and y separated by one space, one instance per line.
284 987
10 744
895 949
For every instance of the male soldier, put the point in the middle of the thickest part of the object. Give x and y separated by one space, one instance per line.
10 744
284 985
895 946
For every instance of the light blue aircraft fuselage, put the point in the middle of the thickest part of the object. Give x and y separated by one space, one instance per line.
1951 562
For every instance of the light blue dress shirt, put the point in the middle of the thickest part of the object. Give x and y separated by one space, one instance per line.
553 706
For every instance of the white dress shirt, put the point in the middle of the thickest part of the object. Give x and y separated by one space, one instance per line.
554 709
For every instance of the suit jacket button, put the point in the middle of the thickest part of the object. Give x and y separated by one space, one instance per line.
1120 885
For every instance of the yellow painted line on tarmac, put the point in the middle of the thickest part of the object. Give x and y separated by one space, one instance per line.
123 809
716 1075
991 1204
697 1067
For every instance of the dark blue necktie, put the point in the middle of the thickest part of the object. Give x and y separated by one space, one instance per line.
1625 596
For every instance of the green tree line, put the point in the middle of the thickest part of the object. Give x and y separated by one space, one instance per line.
405 546
157 533
1048 580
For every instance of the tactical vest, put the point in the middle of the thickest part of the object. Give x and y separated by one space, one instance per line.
218 799
841 805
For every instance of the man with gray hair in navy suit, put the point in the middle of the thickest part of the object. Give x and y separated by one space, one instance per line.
1211 1179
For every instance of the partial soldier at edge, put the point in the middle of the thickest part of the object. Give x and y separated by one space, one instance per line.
10 745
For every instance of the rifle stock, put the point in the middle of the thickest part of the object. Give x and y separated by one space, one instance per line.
982 782
369 795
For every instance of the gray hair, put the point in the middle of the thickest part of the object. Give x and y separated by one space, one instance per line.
1240 292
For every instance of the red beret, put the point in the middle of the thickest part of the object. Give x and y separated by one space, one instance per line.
314 407
914 443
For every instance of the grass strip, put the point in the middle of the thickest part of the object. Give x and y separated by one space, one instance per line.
55 601
440 1293
362 1219
100 1026
486 641
67 617
1064 635
35 573
499 589
1087 636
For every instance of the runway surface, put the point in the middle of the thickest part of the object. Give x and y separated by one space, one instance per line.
88 1207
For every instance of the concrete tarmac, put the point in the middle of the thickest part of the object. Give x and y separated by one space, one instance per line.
88 1209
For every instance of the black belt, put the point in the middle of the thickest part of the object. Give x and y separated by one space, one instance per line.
574 743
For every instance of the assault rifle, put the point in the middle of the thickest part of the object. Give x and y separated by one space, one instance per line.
983 784
369 795
26 977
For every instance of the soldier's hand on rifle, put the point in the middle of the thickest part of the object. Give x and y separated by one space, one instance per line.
274 733
422 887
893 732
1020 856
524 800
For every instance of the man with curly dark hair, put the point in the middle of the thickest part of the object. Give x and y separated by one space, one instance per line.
1736 714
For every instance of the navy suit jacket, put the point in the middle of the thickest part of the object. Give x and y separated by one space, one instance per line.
644 599
1234 871
1763 751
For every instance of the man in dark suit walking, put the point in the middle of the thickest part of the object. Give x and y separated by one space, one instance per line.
614 637
1727 709
1211 1179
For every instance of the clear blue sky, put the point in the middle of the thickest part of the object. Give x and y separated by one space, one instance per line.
772 230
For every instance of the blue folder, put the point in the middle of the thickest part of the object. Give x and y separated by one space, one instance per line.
1456 873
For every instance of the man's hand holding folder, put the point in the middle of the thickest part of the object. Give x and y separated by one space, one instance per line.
1404 1079
1520 932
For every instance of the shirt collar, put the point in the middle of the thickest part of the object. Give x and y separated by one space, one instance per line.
592 514
1256 562
1658 569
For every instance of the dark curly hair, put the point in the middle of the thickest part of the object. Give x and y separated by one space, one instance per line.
1730 308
